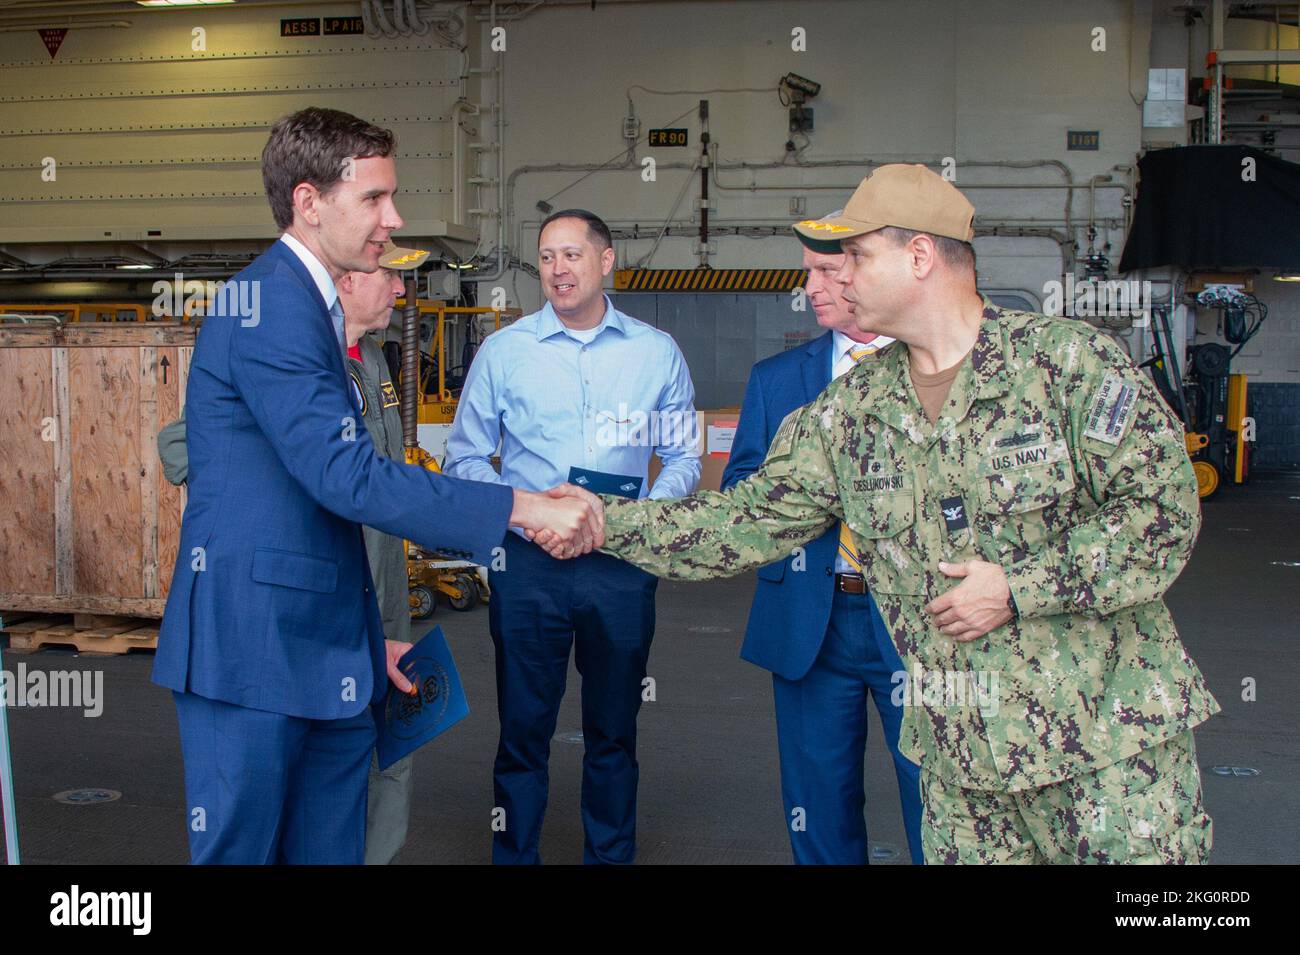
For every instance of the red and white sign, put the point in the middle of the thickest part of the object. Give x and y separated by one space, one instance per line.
53 39
721 435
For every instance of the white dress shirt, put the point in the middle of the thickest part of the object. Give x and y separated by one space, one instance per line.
323 282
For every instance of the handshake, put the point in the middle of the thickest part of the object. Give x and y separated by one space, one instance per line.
565 521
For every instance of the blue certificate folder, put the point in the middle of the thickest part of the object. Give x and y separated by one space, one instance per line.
602 482
405 723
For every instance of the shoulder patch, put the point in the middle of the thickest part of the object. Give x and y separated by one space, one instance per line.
784 439
1111 409
358 393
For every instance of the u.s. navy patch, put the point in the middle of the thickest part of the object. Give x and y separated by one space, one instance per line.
1111 410
387 393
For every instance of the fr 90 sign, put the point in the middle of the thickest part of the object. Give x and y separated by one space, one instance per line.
667 137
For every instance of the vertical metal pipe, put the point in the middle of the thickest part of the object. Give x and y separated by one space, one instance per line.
410 365
1218 14
704 182
1217 105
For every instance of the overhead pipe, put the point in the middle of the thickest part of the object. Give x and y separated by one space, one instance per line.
417 26
1069 184
92 25
40 9
1066 174
375 20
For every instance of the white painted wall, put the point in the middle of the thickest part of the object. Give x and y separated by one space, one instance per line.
901 81
982 81
155 140
1274 353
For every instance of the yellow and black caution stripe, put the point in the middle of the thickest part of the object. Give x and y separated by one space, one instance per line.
708 280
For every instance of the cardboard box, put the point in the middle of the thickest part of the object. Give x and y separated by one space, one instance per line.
716 428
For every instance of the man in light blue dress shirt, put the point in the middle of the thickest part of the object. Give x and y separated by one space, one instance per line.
577 385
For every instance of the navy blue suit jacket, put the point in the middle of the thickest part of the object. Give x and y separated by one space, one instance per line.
272 606
791 609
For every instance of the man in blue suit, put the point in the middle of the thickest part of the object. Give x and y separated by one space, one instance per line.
271 640
813 623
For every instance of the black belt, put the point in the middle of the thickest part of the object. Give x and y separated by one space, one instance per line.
850 584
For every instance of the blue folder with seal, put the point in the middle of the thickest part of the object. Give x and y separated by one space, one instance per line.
406 722
602 482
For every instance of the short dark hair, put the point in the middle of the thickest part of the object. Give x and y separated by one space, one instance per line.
313 145
596 228
955 253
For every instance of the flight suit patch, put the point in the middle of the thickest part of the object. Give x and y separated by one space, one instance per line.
358 392
388 394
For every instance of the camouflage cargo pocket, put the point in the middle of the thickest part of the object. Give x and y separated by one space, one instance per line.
884 528
1167 822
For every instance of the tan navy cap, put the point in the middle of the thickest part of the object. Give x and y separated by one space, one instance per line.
906 196
395 257
824 246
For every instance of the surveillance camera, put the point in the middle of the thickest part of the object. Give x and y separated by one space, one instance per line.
801 84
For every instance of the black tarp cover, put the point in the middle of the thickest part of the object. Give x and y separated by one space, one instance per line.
1196 209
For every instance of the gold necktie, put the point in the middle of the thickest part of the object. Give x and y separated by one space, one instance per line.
847 549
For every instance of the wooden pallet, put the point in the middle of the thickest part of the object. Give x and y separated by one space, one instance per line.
89 633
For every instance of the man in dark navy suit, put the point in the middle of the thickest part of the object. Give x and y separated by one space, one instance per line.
813 623
271 640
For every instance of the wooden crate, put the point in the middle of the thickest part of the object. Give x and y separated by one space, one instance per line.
91 525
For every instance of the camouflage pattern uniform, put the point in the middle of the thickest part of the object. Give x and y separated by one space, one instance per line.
1054 458
388 805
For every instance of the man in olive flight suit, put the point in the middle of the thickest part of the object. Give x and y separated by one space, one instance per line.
1025 460
368 300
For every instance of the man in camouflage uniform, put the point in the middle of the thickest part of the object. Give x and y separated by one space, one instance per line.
368 299
1050 700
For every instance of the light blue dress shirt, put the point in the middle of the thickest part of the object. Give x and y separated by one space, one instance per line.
552 402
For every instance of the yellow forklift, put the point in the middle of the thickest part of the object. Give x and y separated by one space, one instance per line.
428 391
1211 401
